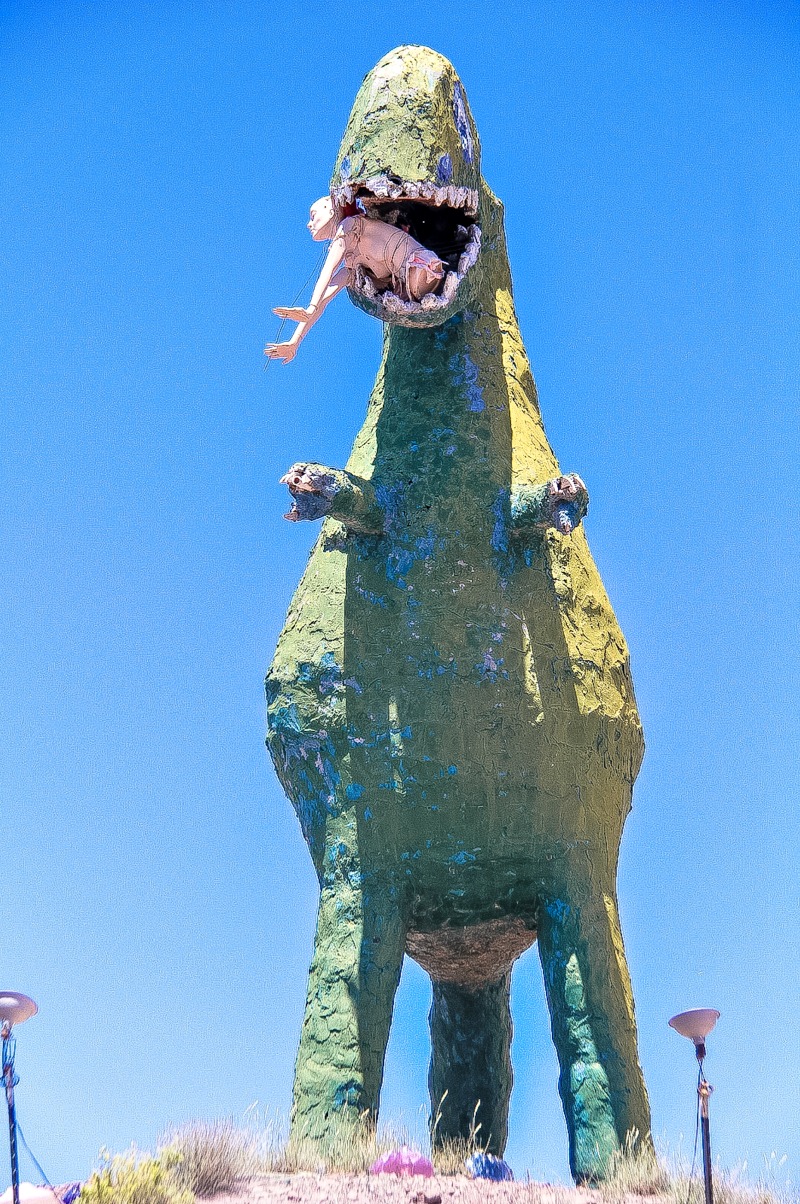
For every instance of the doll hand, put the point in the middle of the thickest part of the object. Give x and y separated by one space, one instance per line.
293 313
281 351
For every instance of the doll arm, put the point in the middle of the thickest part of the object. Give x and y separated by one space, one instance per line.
332 279
301 313
330 269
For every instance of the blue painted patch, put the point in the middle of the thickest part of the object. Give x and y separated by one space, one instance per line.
463 857
354 791
344 170
462 123
398 562
389 500
557 909
500 510
348 1095
444 170
337 851
367 813
465 372
489 667
451 769
285 720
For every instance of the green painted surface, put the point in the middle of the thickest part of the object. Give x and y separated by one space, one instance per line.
470 1076
450 707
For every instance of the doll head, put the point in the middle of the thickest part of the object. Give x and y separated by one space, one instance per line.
322 220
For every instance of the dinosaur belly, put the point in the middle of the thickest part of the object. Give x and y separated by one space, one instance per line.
471 956
425 693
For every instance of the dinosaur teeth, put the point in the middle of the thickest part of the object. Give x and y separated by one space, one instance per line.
470 253
382 188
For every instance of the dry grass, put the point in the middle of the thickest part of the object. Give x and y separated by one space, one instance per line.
215 1156
209 1157
638 1171
203 1159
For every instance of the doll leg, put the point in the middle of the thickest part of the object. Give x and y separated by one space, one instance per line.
422 279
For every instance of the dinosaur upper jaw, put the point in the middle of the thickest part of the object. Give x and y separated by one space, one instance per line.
442 219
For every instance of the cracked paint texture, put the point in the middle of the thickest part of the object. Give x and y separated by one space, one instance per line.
450 707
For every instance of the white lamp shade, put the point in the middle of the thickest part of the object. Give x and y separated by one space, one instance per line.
695 1024
14 1008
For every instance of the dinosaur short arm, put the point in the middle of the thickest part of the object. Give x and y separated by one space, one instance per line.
320 492
356 505
560 503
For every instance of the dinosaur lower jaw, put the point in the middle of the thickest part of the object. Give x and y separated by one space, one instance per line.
442 219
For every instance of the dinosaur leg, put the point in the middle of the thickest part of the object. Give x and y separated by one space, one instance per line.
594 1030
358 955
470 1075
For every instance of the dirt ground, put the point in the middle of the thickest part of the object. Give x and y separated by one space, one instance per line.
399 1189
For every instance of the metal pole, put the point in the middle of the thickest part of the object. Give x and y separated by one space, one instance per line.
11 1080
704 1090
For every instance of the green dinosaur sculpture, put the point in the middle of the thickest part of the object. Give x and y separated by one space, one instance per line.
450 706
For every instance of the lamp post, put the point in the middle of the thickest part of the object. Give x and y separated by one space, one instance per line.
696 1025
14 1008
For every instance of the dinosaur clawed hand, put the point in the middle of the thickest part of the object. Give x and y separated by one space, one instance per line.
569 501
313 488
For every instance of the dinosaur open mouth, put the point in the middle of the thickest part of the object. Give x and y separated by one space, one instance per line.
442 219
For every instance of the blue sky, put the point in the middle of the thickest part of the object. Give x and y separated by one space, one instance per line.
158 162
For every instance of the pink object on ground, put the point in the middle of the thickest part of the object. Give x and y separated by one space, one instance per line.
402 1162
28 1194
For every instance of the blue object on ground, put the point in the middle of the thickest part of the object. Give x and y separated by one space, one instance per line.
488 1166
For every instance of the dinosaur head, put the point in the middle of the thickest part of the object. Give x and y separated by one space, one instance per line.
410 156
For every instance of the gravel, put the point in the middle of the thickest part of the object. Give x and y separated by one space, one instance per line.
399 1189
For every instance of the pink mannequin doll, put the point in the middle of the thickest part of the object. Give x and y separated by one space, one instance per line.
388 253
